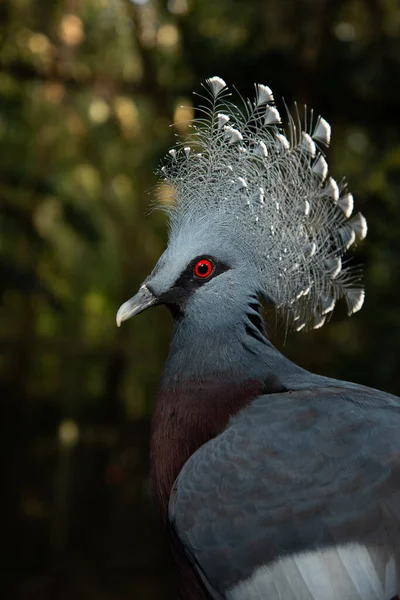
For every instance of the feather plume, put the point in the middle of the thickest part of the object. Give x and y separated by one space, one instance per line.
307 143
346 203
272 116
216 85
268 190
261 149
332 189
222 120
263 94
320 167
359 224
322 132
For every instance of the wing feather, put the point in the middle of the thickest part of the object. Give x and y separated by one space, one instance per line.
293 473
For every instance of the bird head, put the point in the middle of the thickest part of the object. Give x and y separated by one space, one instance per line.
252 211
204 275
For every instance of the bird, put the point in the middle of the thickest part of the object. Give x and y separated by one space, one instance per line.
271 482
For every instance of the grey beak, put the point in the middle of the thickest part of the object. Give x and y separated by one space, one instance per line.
143 299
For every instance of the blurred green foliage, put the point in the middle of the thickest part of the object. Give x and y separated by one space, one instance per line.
87 92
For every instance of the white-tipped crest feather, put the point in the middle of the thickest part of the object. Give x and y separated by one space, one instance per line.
307 144
222 120
332 189
322 132
232 135
272 116
346 235
263 94
261 149
355 299
241 183
283 142
359 224
216 84
270 193
320 167
346 203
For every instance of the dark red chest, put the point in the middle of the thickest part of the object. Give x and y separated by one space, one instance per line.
186 417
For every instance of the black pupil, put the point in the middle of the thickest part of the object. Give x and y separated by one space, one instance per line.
203 269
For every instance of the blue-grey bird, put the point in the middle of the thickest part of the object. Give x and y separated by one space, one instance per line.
272 482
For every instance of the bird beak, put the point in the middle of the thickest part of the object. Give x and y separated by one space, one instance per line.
143 299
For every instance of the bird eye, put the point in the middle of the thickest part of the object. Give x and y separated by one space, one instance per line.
203 268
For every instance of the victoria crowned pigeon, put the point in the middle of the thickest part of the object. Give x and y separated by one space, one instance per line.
272 482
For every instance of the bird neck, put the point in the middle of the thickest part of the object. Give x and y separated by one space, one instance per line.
208 378
236 351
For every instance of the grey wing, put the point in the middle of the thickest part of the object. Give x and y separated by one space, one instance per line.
299 498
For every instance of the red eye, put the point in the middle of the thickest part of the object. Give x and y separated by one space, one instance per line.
203 268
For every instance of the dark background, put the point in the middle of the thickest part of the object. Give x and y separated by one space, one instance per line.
87 92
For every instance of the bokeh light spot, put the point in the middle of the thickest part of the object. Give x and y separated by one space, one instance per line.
99 111
71 30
